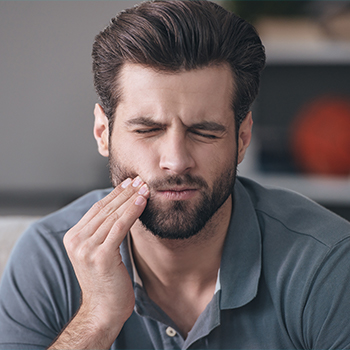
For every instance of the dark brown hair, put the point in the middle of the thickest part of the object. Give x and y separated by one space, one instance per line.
178 35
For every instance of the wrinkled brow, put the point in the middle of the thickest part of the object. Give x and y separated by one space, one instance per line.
205 125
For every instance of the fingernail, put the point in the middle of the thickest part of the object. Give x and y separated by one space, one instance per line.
140 200
126 183
137 181
143 189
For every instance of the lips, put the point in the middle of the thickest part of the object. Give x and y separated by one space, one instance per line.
177 193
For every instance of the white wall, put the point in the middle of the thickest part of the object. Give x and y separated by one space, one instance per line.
47 96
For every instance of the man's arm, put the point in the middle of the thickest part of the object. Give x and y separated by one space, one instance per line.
93 248
325 320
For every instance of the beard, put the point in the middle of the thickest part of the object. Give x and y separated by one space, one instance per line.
179 219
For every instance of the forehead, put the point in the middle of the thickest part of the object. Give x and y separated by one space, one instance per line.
188 94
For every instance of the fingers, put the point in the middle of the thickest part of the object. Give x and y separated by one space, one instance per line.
108 206
125 221
129 199
117 224
102 204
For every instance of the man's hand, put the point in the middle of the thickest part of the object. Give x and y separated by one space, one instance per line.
93 248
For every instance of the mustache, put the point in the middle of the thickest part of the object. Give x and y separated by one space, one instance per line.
118 174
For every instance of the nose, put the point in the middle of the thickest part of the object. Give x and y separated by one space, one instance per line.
176 157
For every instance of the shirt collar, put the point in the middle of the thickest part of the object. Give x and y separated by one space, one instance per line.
135 275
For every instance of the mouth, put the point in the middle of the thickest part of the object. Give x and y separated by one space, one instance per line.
178 193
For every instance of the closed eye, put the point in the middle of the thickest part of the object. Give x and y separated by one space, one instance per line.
143 125
147 131
208 130
208 136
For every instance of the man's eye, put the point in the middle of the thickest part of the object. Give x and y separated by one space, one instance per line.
146 131
207 136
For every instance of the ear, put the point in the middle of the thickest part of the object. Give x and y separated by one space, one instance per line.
101 130
244 136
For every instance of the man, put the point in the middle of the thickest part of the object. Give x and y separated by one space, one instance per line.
180 254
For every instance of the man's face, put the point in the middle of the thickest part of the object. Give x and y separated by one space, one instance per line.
177 131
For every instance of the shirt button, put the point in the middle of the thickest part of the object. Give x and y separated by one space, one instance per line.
170 332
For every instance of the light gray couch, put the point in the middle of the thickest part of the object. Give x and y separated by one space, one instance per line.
11 227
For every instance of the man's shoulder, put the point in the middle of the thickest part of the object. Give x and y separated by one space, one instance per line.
295 213
68 216
46 235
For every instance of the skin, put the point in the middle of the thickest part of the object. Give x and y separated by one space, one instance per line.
166 125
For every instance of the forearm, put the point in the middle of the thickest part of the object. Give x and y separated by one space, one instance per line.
87 332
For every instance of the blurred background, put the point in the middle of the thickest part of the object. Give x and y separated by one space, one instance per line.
302 114
48 155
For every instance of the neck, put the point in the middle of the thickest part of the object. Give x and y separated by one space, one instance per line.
180 276
170 260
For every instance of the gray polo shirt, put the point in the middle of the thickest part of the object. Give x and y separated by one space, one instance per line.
284 281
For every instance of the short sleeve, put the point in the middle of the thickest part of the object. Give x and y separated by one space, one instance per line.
326 319
39 292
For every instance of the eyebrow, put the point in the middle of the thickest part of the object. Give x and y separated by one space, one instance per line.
143 121
205 125
209 126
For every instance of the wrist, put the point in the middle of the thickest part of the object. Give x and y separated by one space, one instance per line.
101 320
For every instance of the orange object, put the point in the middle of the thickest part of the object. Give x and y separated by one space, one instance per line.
320 136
